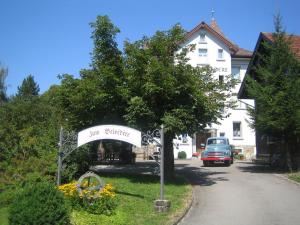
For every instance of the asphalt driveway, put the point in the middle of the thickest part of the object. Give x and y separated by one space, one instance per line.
242 194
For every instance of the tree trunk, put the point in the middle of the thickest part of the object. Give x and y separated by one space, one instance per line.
168 155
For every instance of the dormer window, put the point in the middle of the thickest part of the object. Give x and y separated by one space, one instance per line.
220 54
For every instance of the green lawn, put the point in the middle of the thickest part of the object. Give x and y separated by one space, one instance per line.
295 177
4 216
135 197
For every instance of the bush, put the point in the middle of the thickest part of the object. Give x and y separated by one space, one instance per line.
39 204
181 155
239 156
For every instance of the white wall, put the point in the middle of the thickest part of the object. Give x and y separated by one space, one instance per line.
181 145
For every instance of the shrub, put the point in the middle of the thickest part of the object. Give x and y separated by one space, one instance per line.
181 155
239 156
39 204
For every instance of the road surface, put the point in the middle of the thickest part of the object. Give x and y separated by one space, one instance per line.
242 194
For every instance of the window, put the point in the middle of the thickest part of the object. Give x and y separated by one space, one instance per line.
184 138
202 52
221 79
202 38
220 54
235 71
236 126
222 134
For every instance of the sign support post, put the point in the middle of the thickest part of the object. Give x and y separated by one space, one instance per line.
162 205
162 160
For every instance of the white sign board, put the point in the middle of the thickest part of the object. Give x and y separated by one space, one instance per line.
112 132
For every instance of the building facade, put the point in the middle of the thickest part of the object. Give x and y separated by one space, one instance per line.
214 49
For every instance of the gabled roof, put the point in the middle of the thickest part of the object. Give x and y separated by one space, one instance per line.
266 36
235 50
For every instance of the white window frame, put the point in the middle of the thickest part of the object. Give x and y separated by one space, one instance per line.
202 54
235 133
220 54
238 75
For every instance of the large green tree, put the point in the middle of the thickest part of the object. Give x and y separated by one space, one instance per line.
165 89
98 96
275 87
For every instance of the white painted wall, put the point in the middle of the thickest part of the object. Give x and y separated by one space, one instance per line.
223 67
180 145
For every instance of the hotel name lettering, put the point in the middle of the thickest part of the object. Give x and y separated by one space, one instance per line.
221 69
108 131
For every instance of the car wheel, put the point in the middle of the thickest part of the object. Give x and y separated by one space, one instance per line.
227 163
205 163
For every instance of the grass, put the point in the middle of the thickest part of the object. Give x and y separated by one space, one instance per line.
135 196
295 177
4 216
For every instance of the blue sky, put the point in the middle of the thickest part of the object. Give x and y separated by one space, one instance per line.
50 37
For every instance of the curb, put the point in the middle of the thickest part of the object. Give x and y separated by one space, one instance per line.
286 178
189 206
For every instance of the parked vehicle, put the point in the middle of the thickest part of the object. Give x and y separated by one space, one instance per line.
217 150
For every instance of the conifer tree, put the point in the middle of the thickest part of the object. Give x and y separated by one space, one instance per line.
275 88
29 88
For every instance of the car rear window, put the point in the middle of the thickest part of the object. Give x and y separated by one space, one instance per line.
216 142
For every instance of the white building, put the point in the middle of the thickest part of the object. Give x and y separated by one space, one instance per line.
214 49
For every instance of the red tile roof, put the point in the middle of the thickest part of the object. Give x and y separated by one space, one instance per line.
266 36
294 42
236 51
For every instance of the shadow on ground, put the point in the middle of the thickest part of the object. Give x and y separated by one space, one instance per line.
250 167
140 172
200 175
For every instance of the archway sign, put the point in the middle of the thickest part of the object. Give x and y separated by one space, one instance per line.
111 132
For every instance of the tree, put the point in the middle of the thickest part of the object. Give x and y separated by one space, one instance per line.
275 88
3 96
29 88
99 96
165 89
